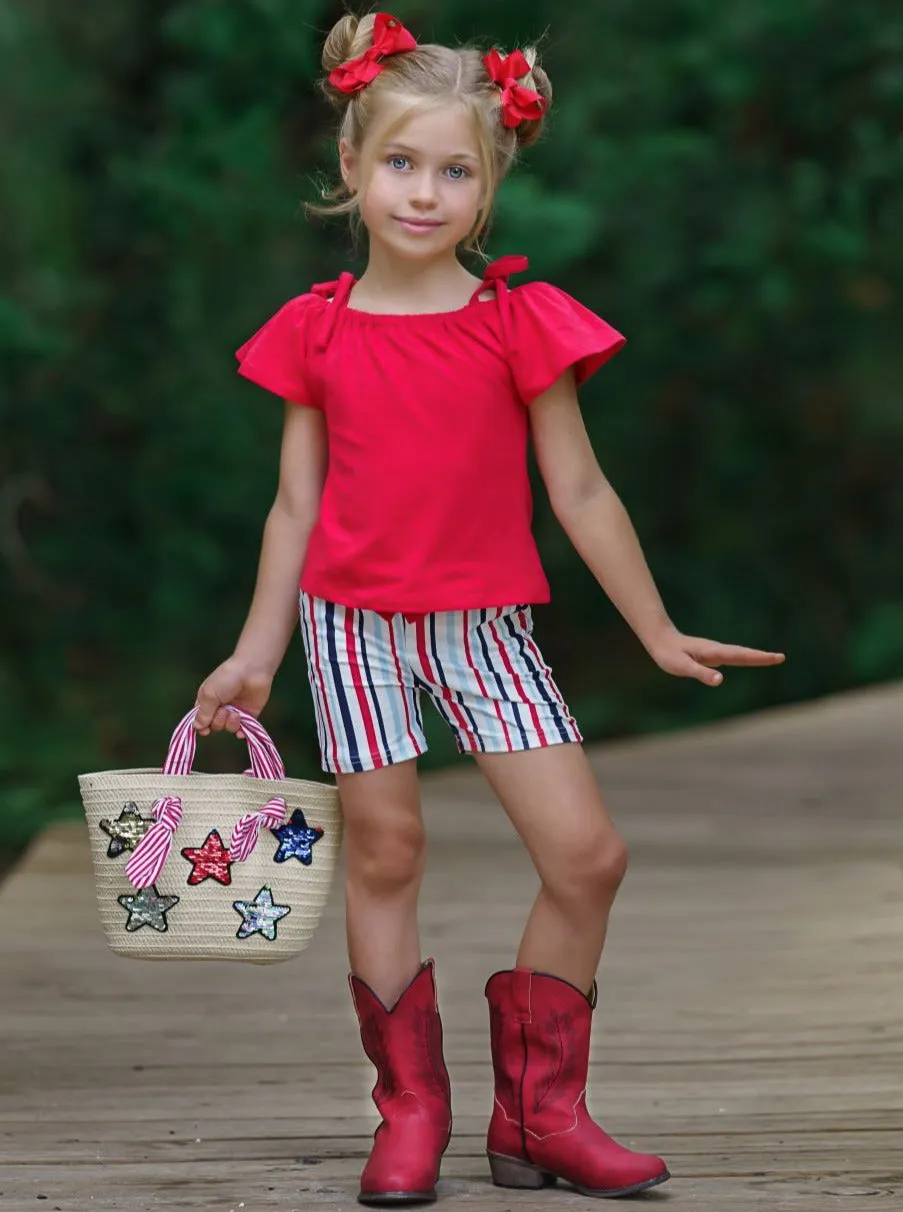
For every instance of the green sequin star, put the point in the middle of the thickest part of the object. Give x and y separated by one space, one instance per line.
127 831
260 915
147 908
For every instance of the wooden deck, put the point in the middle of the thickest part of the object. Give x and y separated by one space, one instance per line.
750 1024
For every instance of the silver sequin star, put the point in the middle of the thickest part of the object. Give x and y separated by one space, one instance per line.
260 915
147 908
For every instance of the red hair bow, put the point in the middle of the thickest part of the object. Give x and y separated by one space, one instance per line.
389 38
519 104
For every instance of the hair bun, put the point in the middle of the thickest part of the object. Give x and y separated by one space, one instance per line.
528 132
348 39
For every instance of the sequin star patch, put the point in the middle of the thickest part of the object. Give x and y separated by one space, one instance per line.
296 839
210 861
147 908
126 831
260 915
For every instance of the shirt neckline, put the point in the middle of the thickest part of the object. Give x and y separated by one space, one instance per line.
495 280
343 294
472 305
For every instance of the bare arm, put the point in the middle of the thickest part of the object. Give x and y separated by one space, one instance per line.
246 677
273 615
600 529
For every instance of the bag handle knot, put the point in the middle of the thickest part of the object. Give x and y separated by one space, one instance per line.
247 828
144 867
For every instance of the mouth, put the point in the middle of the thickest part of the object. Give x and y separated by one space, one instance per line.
420 225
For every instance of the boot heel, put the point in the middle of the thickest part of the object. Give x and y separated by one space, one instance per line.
511 1172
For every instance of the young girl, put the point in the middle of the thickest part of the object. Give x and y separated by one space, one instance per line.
404 506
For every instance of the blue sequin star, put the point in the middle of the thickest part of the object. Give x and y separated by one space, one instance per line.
260 915
296 839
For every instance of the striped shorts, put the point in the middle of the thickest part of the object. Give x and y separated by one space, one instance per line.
481 668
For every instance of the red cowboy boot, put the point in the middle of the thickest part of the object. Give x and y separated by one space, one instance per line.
540 1129
412 1092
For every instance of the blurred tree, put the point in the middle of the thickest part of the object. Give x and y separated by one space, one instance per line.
722 183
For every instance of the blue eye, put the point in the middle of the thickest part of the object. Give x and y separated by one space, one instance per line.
458 172
398 162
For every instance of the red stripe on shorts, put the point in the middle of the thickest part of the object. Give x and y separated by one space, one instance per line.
481 683
534 715
327 716
360 692
456 711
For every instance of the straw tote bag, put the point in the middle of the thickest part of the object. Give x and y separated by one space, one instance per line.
211 866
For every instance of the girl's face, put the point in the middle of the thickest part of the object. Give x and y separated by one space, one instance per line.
421 187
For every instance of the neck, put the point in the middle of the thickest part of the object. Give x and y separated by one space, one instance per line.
388 276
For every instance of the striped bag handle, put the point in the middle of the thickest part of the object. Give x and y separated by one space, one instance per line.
144 867
265 760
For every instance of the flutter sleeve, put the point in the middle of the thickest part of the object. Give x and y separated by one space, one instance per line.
276 356
552 332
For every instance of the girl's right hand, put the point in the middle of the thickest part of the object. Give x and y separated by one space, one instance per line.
234 683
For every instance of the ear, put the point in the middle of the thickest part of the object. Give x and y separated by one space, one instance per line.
348 164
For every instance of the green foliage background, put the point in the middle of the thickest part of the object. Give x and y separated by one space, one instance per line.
722 182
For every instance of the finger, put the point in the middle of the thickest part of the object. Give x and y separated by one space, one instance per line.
711 653
220 720
709 677
690 668
233 723
206 705
751 657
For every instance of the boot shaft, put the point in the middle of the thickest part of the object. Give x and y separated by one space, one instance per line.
411 1092
404 1043
540 1035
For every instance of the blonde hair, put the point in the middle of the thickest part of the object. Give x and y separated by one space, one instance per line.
430 75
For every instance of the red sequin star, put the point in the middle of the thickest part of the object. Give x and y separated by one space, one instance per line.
210 861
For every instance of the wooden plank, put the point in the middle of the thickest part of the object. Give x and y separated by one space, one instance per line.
294 1185
750 1025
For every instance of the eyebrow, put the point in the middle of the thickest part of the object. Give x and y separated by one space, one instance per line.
413 151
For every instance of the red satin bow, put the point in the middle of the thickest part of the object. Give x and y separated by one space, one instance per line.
519 104
389 37
503 267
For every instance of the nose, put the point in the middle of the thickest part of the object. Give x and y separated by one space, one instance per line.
423 191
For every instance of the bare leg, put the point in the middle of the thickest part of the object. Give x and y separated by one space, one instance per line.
553 801
385 860
385 852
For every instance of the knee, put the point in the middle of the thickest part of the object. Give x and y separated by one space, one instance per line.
593 869
386 860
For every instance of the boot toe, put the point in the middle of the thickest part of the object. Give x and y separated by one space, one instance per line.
399 1183
404 1165
393 1198
638 1173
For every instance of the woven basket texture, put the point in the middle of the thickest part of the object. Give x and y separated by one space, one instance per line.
203 923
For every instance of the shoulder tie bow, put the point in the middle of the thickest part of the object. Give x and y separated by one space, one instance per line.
519 104
496 275
389 38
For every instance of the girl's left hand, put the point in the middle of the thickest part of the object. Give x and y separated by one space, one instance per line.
689 656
